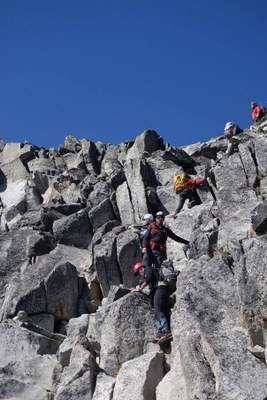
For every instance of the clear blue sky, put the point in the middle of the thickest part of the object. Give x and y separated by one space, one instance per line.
106 70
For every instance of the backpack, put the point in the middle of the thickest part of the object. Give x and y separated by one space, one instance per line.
168 275
179 182
263 111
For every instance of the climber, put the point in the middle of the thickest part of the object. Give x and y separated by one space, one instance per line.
154 246
141 229
163 288
231 129
257 112
186 190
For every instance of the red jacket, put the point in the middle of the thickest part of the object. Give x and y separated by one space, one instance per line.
190 183
256 113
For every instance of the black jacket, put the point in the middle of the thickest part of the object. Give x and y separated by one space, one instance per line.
159 234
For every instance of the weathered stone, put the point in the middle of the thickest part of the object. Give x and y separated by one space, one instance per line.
90 156
105 261
77 380
61 289
148 141
104 387
128 253
101 214
259 218
74 230
139 378
123 329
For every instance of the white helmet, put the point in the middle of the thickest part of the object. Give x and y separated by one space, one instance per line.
148 218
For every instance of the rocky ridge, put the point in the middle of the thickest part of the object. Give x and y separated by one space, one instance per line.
66 261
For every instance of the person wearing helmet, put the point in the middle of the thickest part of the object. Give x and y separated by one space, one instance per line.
160 304
139 270
154 246
141 229
231 129
257 112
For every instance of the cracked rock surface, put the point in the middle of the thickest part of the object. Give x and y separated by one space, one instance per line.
68 243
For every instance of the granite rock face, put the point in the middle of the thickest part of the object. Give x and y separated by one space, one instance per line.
69 240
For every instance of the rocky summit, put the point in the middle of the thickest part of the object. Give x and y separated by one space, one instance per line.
70 328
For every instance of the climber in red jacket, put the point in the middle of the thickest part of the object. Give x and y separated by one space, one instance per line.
189 192
257 112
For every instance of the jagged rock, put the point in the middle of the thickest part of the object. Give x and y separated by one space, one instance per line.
74 230
2 145
101 214
76 331
208 298
148 142
101 191
44 166
139 378
179 157
251 279
90 156
44 320
137 177
123 329
14 255
77 380
115 293
259 218
235 199
72 144
162 171
61 289
34 290
104 387
128 253
13 151
73 160
173 385
260 148
219 319
105 261
124 204
26 371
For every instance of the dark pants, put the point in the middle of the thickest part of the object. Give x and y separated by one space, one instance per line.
191 195
153 263
159 295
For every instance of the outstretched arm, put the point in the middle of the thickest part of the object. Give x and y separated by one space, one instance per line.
176 238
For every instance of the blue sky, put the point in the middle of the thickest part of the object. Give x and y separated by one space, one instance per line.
106 70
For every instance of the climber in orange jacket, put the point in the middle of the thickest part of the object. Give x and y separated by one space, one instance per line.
189 192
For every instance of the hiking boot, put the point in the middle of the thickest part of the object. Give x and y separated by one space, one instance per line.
166 337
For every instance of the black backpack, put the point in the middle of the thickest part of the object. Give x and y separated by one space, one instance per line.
168 275
263 111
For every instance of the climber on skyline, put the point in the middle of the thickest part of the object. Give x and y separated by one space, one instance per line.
257 112
231 129
185 188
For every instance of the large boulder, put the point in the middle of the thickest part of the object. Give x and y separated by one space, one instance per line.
123 329
74 230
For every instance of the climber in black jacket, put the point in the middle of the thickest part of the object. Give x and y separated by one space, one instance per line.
154 245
